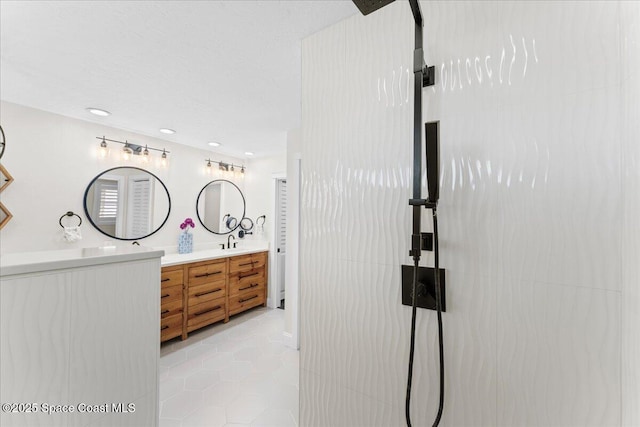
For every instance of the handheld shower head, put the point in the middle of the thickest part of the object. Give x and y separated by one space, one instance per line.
368 6
432 140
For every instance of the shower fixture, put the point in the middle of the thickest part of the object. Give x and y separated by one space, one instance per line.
423 76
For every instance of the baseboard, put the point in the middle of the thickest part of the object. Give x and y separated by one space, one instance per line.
289 341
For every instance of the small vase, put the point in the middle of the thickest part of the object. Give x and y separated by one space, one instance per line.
185 243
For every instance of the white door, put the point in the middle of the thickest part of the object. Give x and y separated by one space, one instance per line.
281 237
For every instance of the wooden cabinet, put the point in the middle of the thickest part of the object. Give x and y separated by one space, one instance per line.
171 302
198 294
206 293
247 282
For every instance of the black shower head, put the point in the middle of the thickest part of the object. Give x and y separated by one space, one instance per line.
368 6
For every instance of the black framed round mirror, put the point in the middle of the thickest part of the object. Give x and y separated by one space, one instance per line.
219 205
3 142
246 224
127 203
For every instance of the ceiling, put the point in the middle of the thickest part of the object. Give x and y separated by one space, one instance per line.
223 71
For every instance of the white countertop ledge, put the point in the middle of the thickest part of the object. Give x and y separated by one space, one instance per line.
33 262
207 254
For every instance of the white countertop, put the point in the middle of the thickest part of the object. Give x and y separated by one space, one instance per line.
32 262
206 254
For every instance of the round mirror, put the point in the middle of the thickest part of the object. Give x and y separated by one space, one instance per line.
127 203
2 142
219 205
246 224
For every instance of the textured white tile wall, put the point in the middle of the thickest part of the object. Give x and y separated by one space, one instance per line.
540 200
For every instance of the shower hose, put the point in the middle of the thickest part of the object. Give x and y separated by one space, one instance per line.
436 273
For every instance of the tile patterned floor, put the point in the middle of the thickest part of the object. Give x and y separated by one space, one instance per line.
234 374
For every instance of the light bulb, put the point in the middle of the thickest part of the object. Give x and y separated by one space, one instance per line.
163 159
126 152
103 150
146 157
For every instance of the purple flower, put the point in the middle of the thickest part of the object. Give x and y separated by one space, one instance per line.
188 222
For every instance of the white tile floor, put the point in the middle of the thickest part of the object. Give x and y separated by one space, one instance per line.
234 374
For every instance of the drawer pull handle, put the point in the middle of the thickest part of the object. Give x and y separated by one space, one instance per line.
165 312
216 308
253 285
208 274
208 292
164 296
247 263
164 327
247 299
248 275
165 280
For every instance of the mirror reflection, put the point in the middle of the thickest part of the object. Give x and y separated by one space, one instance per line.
220 206
127 203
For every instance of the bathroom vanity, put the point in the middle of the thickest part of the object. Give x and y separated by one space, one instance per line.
208 286
79 337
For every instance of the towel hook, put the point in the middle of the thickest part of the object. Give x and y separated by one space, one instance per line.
70 214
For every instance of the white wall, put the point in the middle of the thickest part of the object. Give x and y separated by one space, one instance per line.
538 216
53 158
260 189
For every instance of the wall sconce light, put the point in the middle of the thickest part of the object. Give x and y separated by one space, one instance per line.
224 169
129 150
163 159
103 150
145 155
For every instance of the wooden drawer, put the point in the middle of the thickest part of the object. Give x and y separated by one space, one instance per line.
170 278
171 327
206 292
207 273
170 294
247 262
171 308
246 300
242 282
205 313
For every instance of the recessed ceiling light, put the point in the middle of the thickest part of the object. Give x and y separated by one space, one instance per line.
248 153
167 131
214 144
99 112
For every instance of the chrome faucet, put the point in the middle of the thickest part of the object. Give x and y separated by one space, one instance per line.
229 243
